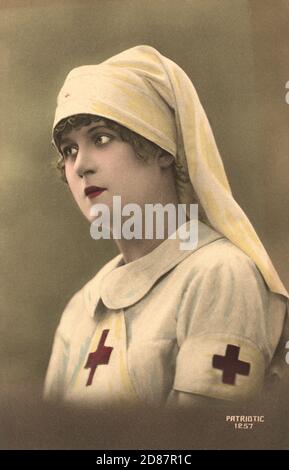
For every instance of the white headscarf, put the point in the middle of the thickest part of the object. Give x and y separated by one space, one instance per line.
151 95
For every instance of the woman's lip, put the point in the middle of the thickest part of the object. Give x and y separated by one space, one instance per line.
96 193
92 191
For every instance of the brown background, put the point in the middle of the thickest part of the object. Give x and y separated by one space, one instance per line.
236 53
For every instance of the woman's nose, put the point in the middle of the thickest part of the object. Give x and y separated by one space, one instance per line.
84 163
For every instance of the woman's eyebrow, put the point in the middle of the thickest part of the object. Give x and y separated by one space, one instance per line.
100 125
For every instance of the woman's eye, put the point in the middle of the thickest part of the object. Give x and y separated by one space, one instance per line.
69 151
102 139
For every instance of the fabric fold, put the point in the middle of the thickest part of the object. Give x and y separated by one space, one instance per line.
151 95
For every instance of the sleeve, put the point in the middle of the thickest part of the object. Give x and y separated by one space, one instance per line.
54 385
57 372
227 331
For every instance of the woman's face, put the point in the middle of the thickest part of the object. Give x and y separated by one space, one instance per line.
95 156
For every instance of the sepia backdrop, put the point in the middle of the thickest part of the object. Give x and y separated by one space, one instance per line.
236 53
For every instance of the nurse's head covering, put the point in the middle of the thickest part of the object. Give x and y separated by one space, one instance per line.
151 95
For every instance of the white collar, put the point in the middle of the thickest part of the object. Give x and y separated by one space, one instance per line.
121 285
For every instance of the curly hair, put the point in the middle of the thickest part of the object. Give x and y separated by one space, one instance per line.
143 148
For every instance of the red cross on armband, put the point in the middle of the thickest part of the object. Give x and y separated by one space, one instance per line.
230 364
98 357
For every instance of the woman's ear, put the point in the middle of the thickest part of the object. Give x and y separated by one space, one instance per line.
165 159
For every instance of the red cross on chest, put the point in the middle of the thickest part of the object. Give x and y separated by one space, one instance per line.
231 365
98 357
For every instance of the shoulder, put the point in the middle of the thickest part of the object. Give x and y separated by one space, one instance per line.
226 294
220 252
222 262
83 301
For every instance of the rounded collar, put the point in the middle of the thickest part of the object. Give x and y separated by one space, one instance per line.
121 285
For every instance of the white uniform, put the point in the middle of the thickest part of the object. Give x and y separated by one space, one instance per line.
201 321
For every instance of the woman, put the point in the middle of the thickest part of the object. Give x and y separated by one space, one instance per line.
158 324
